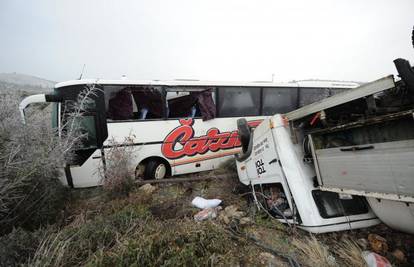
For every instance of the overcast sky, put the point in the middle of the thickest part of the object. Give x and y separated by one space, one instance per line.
208 40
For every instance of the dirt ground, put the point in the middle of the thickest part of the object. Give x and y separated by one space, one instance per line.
254 239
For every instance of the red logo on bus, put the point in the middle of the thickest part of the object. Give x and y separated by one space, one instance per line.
213 140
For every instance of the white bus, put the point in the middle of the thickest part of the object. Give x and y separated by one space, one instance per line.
177 127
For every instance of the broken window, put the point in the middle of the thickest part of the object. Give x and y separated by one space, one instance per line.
191 104
272 197
120 105
330 205
150 103
133 102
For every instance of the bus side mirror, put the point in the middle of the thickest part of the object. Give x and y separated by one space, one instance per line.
39 98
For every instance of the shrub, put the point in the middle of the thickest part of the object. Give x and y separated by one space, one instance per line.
31 158
72 246
118 175
19 245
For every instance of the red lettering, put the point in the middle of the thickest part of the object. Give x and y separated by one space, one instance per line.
190 145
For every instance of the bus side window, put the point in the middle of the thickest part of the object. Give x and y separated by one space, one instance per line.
181 105
310 95
120 105
193 104
279 100
238 101
149 102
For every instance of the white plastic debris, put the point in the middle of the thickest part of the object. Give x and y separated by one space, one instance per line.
203 203
375 260
206 214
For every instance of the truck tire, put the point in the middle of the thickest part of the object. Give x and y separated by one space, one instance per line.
155 169
244 133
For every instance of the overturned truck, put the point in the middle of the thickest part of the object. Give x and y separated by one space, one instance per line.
338 163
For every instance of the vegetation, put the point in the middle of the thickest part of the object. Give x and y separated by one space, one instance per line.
30 157
118 177
44 224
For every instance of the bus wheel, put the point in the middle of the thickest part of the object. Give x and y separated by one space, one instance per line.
155 170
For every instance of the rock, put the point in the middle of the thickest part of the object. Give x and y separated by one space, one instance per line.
378 243
147 188
224 218
399 255
232 212
245 221
266 258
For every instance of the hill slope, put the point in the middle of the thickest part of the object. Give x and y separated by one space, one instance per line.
18 81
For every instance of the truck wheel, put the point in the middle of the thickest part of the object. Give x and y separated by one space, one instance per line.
244 133
155 170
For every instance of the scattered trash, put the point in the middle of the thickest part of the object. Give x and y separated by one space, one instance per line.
374 260
207 214
147 188
203 203
378 243
399 255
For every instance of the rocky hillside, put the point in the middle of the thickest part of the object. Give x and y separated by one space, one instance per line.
17 81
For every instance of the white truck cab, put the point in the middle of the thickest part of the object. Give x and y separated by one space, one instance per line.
283 183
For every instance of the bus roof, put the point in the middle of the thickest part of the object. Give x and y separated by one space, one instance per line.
185 82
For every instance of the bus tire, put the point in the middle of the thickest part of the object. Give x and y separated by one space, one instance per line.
155 169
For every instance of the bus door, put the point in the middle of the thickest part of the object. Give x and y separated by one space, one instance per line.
82 169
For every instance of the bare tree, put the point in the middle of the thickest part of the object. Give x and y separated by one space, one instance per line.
32 157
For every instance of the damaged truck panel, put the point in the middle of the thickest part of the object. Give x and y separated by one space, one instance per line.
345 151
283 184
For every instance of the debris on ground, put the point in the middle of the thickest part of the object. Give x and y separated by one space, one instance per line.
399 256
157 223
203 203
207 214
378 244
374 260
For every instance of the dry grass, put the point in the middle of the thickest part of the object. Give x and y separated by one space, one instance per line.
51 251
313 252
350 253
